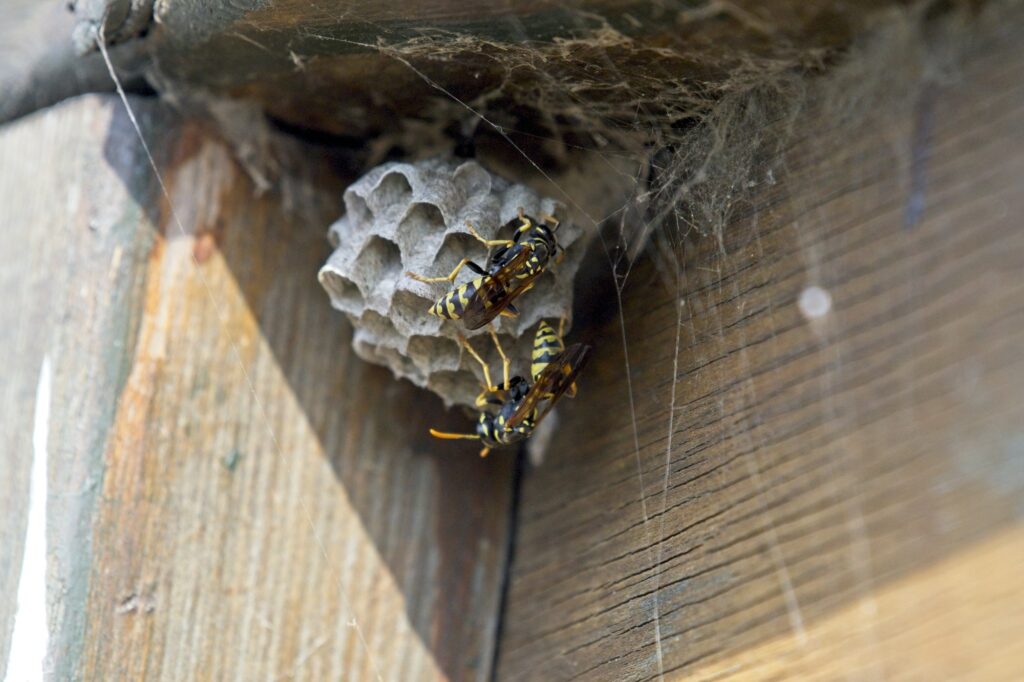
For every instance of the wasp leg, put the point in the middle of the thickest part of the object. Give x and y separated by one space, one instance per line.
571 391
512 311
487 242
561 327
489 387
559 254
506 364
453 436
550 220
485 452
464 263
557 259
521 212
493 398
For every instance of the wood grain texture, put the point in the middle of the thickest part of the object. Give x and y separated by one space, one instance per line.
826 498
233 495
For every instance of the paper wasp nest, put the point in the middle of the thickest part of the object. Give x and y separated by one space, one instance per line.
412 217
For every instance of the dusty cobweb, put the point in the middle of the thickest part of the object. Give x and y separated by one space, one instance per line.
657 146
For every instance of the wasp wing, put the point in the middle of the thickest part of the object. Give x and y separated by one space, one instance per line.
554 380
497 290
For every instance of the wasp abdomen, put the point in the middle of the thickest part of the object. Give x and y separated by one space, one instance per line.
452 305
546 345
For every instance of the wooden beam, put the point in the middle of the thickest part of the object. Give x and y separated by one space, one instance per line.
359 69
814 483
231 492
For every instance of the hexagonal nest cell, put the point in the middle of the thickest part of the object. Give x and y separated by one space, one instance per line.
412 217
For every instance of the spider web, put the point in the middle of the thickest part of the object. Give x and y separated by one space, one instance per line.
672 150
679 153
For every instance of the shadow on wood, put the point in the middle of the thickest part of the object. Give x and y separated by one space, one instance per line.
436 514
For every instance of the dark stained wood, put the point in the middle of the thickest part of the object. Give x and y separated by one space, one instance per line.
828 498
361 68
232 493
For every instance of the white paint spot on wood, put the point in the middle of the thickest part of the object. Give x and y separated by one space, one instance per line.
31 635
814 302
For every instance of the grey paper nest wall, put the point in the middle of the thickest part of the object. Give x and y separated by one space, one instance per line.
412 217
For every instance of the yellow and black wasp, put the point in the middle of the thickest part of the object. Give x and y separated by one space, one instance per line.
509 411
510 272
554 369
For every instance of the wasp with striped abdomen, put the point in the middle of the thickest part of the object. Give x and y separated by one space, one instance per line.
510 272
547 344
509 411
553 375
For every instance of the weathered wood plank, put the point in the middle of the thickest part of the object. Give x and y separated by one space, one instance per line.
233 495
72 255
824 498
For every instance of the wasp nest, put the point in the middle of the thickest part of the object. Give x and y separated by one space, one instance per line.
412 217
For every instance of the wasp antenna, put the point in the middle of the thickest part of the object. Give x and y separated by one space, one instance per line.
453 436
